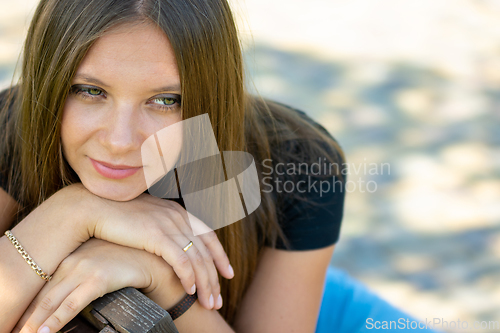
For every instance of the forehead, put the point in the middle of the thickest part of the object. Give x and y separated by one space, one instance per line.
129 47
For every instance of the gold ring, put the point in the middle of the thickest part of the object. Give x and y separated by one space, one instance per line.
188 246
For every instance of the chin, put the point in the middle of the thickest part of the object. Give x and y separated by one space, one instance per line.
115 191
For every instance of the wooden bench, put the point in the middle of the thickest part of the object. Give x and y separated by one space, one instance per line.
127 311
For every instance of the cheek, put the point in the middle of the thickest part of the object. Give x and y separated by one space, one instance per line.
74 130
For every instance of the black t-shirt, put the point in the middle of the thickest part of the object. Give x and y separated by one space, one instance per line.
310 208
310 220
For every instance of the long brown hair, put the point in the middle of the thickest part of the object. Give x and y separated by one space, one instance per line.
204 38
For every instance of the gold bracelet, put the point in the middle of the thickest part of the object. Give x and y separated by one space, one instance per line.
27 257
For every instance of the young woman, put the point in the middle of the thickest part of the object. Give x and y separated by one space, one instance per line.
98 78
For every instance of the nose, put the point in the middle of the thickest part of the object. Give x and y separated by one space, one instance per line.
121 130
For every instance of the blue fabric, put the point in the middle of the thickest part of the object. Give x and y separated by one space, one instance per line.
348 306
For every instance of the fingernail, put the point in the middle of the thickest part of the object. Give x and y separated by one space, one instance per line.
211 301
44 329
219 302
231 271
193 288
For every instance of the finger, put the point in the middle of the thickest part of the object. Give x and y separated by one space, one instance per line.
212 243
25 317
207 280
210 237
193 277
181 263
75 302
181 219
187 262
154 235
199 256
212 272
56 279
202 276
46 304
218 254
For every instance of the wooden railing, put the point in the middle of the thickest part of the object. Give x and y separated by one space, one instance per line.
127 311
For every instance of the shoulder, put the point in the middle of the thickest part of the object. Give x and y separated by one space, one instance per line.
7 106
305 175
7 97
3 95
8 205
7 100
302 143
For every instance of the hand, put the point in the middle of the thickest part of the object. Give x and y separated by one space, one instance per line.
161 227
94 269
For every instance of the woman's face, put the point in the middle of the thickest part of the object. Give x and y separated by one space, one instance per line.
126 89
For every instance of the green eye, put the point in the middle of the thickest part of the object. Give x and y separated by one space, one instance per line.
87 92
169 102
166 100
94 92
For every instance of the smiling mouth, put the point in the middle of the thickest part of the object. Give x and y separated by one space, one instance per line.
114 171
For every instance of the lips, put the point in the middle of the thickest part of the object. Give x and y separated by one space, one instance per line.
114 171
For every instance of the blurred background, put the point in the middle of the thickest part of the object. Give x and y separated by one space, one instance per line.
412 86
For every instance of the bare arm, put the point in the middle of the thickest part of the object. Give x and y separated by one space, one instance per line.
285 295
46 239
199 319
71 216
98 267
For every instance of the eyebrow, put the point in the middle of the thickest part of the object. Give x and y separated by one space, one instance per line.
175 87
89 79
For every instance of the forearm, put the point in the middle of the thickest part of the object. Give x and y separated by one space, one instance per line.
199 319
48 239
19 284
